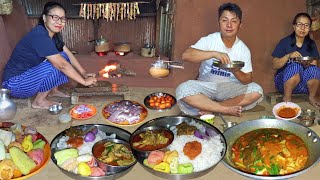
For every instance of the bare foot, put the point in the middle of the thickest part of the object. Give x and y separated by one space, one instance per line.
232 110
227 110
43 105
314 102
57 93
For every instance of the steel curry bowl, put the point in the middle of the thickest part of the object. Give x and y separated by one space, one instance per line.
140 146
180 142
113 155
309 137
108 130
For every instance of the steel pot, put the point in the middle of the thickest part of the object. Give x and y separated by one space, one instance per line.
122 46
310 138
101 45
148 50
8 108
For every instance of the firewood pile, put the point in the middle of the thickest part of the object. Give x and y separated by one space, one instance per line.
110 11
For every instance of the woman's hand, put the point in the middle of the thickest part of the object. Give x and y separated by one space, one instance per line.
86 75
90 81
294 55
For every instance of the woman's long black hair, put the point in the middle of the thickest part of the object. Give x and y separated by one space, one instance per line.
309 42
57 36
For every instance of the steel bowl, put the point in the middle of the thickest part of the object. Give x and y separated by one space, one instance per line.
108 167
159 94
140 154
169 121
121 134
55 109
310 138
233 64
307 117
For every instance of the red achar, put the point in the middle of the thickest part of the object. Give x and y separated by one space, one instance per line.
192 149
287 112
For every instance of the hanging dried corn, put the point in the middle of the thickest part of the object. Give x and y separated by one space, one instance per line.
110 11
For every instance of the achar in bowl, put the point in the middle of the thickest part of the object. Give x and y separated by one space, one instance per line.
287 112
150 140
269 151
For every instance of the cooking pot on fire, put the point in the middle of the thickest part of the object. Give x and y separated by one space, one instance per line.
310 138
148 50
160 68
101 45
122 46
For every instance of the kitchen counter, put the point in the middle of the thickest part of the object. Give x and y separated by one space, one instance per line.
138 172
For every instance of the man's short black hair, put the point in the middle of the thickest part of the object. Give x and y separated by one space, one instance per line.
234 8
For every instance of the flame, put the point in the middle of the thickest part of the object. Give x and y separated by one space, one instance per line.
108 69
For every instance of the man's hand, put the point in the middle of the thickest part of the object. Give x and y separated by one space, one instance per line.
223 57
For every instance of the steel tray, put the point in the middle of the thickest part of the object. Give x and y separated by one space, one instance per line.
233 64
304 59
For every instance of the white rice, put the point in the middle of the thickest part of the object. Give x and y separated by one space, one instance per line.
210 154
86 147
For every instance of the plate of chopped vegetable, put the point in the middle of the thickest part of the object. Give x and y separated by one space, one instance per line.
83 111
29 151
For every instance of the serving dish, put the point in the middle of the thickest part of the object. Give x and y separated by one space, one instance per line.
106 130
159 101
310 138
233 64
83 111
46 148
125 112
289 111
171 122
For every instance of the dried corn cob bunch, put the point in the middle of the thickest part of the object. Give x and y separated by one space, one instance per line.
110 11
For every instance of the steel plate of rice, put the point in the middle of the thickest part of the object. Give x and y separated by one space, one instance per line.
196 149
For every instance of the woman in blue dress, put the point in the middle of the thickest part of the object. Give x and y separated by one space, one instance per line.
41 62
294 77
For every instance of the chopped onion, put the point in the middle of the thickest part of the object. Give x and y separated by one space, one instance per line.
211 132
95 130
200 135
89 137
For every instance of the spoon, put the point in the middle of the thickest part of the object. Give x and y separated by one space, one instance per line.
226 124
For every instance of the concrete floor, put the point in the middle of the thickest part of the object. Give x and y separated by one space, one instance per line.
49 126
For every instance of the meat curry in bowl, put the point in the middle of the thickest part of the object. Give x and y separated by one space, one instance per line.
113 155
151 138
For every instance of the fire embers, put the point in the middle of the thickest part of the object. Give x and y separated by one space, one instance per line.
113 70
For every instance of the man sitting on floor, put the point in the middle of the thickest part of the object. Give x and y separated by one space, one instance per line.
218 90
